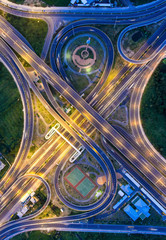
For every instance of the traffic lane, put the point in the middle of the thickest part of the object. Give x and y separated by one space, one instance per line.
121 86
41 155
115 104
136 56
119 43
28 186
84 227
88 148
91 206
125 152
57 47
137 11
137 128
74 96
106 99
134 172
28 119
150 40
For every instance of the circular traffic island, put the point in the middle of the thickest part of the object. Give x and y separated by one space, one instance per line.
77 186
84 57
81 57
80 184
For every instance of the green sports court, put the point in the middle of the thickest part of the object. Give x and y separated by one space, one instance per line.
80 181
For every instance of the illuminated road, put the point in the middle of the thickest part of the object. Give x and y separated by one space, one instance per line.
28 115
110 133
74 130
109 191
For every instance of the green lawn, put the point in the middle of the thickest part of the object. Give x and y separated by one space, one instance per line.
57 2
33 236
153 109
17 1
140 2
85 236
34 30
11 115
47 2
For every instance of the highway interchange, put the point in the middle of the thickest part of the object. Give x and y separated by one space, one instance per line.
139 156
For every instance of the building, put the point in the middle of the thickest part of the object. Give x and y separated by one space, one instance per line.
2 165
131 212
23 211
127 189
142 207
138 208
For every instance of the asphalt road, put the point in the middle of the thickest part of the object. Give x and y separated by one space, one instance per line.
123 146
108 131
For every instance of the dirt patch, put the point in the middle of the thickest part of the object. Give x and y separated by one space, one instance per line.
101 180
119 176
33 3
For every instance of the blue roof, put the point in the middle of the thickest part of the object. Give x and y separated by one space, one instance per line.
127 189
131 212
142 207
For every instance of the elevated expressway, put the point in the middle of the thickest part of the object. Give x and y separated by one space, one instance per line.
132 14
110 191
28 114
146 68
111 134
135 120
85 109
82 227
58 43
106 102
134 61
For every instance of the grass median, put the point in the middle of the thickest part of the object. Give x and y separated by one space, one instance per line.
34 30
153 109
11 115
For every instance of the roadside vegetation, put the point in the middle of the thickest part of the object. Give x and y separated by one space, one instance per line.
44 3
135 38
84 236
153 109
11 115
140 2
80 81
42 121
57 3
113 32
34 30
17 1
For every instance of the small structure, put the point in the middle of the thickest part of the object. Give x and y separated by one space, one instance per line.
72 1
131 212
2 165
88 41
33 200
121 193
23 211
98 194
40 86
101 180
120 202
139 209
67 110
142 207
26 198
127 189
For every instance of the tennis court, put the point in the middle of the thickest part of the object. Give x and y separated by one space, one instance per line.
85 187
80 182
75 176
